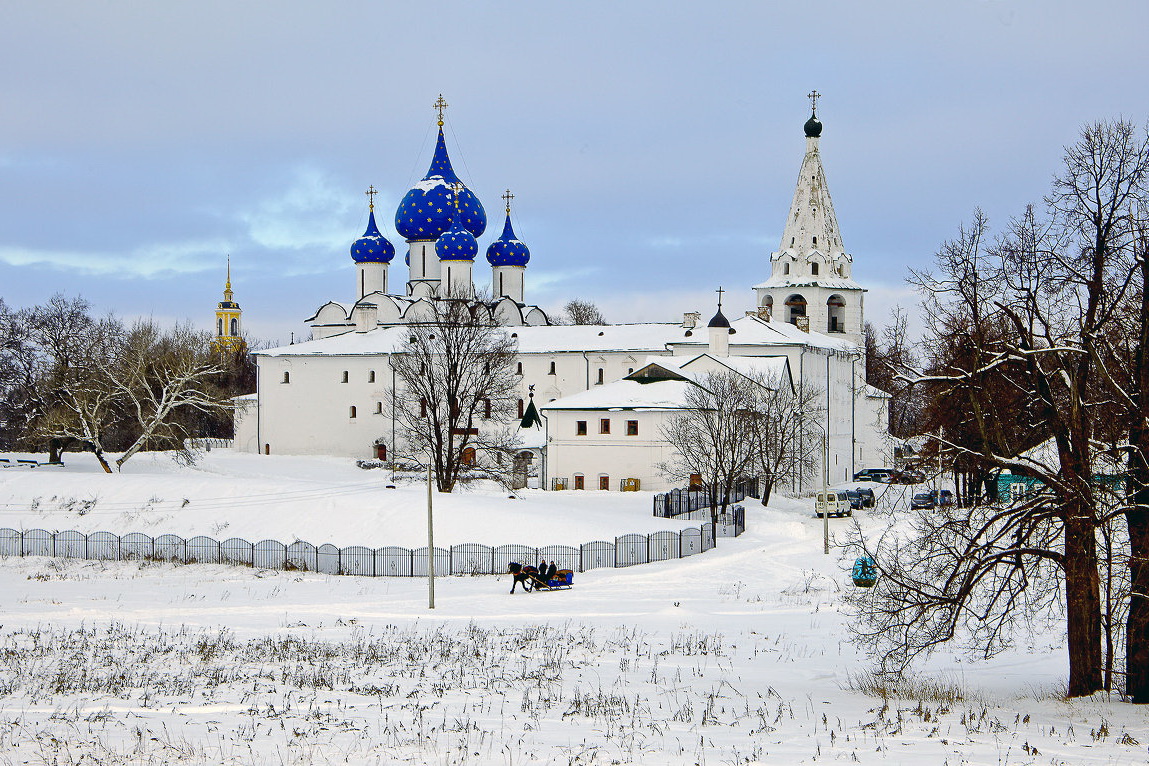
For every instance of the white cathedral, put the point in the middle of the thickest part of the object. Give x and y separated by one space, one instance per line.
329 395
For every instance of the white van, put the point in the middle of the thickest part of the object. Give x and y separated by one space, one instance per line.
834 502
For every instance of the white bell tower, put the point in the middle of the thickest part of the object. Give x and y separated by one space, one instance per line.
810 272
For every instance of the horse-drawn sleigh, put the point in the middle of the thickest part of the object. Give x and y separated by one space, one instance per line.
532 579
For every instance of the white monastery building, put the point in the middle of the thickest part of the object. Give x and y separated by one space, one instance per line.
603 390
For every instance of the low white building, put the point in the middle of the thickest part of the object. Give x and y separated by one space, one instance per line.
330 395
611 436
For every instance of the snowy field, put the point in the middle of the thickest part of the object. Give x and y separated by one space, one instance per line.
735 656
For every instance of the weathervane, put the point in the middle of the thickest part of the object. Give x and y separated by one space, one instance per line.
813 96
440 104
371 196
507 197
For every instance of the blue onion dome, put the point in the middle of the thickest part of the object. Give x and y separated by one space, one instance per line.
719 319
508 250
372 247
428 209
457 243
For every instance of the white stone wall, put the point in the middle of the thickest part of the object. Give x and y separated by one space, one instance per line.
614 455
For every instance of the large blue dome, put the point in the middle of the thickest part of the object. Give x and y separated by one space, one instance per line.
508 250
372 247
456 244
428 209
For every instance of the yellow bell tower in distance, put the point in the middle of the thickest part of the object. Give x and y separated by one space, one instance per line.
228 316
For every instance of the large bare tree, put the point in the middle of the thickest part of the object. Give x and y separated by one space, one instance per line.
457 392
1031 312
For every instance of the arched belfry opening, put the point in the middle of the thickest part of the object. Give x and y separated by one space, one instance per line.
797 308
836 314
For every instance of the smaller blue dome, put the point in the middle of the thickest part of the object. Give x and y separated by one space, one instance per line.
372 247
508 250
456 243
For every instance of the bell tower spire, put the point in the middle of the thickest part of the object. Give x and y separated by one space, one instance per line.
811 272
228 317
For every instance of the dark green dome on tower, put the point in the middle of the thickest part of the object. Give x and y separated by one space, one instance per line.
813 128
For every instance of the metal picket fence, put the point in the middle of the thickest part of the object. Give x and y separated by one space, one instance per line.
388 561
696 504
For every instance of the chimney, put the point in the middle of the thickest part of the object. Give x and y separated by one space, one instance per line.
764 313
366 317
691 319
803 323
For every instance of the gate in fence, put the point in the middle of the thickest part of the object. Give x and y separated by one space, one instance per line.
389 561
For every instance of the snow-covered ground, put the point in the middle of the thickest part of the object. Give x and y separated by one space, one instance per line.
739 655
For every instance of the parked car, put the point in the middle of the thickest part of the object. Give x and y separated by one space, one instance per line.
908 476
834 502
945 497
923 500
867 495
883 475
856 501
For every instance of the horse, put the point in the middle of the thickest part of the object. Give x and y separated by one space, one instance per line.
525 575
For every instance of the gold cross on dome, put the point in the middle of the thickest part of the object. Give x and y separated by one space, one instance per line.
440 104
813 96
507 197
371 195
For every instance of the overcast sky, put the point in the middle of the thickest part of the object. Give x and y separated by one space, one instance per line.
652 147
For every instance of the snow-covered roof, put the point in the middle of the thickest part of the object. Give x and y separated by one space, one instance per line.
644 338
755 331
775 369
627 395
794 280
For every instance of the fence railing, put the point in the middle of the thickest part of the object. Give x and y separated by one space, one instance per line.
678 502
388 561
207 443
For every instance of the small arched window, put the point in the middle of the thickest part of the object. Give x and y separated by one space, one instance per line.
600 374
371 376
552 372
486 408
345 376
351 412
786 268
519 368
234 326
286 377
815 241
814 269
219 326
520 408
378 408
423 407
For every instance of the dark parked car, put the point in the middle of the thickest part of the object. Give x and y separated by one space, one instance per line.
946 497
908 476
856 501
883 475
923 500
867 496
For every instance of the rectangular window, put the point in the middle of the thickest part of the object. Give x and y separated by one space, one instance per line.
345 376
632 428
604 426
580 481
604 482
580 428
378 408
599 381
371 377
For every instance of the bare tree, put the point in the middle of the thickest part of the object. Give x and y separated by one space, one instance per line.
888 353
785 438
159 375
457 392
714 437
1031 313
583 312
